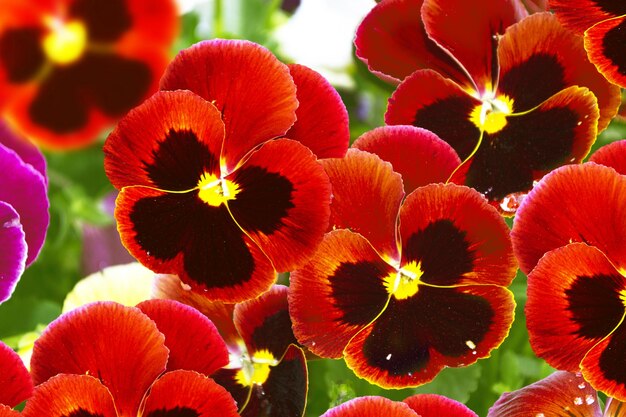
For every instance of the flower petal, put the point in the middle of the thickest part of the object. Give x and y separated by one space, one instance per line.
432 405
21 52
370 407
612 155
614 408
416 154
94 340
27 152
603 43
14 379
580 15
13 251
252 89
603 366
6 411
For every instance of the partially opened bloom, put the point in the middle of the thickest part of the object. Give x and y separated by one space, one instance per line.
421 405
570 234
108 360
15 381
515 96
267 373
402 289
69 68
206 191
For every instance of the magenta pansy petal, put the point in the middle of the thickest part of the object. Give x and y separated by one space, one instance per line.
12 250
26 150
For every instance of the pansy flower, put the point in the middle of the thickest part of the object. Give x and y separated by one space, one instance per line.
108 360
69 68
267 373
206 193
602 22
515 100
24 205
421 405
15 381
404 286
570 234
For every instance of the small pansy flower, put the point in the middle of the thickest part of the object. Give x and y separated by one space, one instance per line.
404 286
69 68
515 96
421 405
15 381
570 234
206 191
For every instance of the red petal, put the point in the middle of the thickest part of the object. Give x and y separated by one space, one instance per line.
187 393
614 408
416 154
194 346
393 42
322 118
432 405
603 365
366 198
154 21
14 378
580 15
603 43
371 407
252 89
5 411
564 208
95 340
612 155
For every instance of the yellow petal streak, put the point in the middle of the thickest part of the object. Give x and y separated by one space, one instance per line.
622 297
405 282
215 191
257 369
66 41
490 116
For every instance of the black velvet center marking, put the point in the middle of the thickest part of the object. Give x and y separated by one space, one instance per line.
264 199
449 119
82 413
443 250
174 412
180 160
615 7
274 334
613 46
595 305
21 54
533 81
612 362
357 290
106 21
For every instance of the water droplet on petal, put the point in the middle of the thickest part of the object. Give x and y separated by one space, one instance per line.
582 384
578 401
185 287
589 399
540 415
470 344
388 357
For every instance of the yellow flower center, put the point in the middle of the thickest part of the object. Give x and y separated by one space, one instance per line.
256 370
65 42
215 191
490 116
404 283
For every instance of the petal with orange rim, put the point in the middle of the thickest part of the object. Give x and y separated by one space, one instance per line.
428 100
603 43
564 208
168 142
603 365
196 346
580 15
174 233
371 407
322 118
366 199
539 58
73 396
416 337
433 405
562 393
14 379
94 340
338 293
190 394
574 300
612 155
253 90
454 237
560 131
392 41
282 201
470 31
6 411
415 153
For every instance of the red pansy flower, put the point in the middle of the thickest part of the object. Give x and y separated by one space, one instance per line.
421 405
570 234
404 288
603 23
15 381
267 373
108 360
206 193
69 68
515 100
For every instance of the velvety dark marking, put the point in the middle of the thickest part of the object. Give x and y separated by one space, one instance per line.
611 361
215 253
180 160
615 7
449 119
106 21
533 81
263 201
613 46
174 412
357 290
227 378
21 54
82 413
274 334
507 160
443 251
594 305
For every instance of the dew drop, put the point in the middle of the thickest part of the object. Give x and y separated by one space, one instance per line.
470 345
313 343
540 415
388 357
11 223
578 401
589 399
473 352
582 384
185 287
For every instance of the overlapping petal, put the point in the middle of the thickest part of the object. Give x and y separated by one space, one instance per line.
612 155
14 378
370 407
432 405
13 250
580 15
